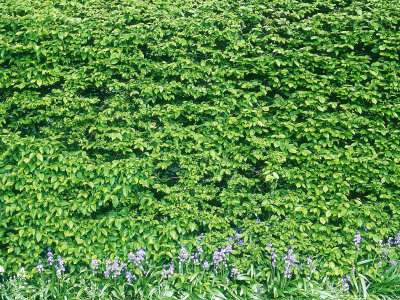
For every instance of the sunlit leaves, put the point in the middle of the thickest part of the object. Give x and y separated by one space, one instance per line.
125 122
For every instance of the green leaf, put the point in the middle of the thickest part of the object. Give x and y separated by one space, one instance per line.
192 226
173 234
38 236
39 156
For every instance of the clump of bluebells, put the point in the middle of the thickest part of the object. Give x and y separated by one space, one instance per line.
289 260
219 263
139 257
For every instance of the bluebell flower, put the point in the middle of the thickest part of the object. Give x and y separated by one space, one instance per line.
60 266
287 272
397 240
183 256
171 270
345 282
206 265
289 259
357 240
40 266
139 257
50 258
131 256
95 266
115 269
273 255
129 277
234 272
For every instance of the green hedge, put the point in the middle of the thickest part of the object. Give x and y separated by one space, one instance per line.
145 123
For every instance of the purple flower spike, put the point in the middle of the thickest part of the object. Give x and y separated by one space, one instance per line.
345 282
206 265
287 272
129 277
95 265
50 258
171 270
397 240
289 259
183 256
357 240
139 257
40 267
234 272
60 265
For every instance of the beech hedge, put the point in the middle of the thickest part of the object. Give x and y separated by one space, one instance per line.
128 123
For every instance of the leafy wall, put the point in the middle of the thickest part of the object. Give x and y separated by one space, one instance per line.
129 123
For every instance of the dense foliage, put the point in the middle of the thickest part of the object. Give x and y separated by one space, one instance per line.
128 123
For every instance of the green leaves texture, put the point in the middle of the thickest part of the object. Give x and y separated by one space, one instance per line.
129 123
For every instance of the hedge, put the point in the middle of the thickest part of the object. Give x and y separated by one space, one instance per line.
128 123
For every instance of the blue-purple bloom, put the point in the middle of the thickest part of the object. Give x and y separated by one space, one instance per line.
392 263
234 272
129 276
273 254
289 260
183 256
206 265
60 265
221 256
171 270
115 269
239 240
50 258
357 240
139 257
195 258
40 266
169 273
95 265
397 240
345 282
